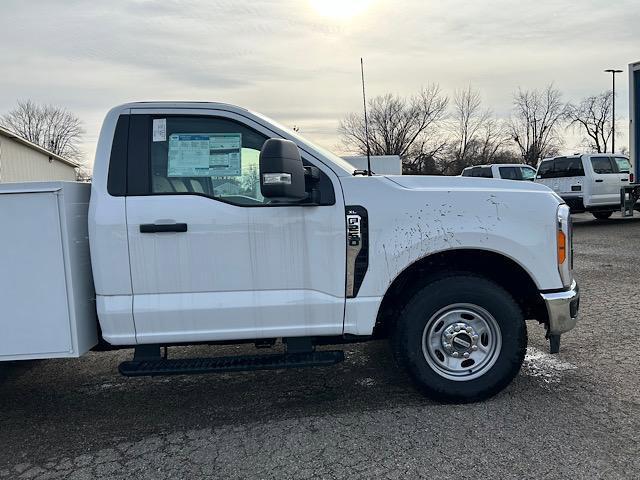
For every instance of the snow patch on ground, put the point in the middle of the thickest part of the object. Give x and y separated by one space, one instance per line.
545 366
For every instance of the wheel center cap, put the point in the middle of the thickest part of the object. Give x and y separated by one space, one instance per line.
459 339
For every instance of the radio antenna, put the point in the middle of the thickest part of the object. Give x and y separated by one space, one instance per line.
366 121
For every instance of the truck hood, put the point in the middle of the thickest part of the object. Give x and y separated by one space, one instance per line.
422 182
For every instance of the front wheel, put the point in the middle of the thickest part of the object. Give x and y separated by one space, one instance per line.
461 338
602 215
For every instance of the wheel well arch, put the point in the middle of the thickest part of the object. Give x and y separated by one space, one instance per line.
497 267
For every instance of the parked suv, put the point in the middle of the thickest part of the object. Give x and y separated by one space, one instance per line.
587 183
507 171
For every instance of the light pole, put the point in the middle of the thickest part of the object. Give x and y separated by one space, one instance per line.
613 72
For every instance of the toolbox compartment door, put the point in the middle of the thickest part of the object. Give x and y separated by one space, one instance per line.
46 292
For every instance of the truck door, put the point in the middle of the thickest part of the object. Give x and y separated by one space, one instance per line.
211 259
606 181
624 170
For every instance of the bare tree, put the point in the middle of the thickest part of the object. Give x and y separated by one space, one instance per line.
592 117
476 135
534 125
493 137
468 118
53 128
398 126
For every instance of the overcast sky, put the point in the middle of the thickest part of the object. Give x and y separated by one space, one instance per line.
298 60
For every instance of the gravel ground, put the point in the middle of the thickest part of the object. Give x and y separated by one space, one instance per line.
573 415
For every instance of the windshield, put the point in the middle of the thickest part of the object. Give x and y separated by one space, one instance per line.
528 173
339 162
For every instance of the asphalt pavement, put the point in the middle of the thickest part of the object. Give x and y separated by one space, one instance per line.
572 415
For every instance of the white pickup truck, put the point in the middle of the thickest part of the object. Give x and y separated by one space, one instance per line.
589 182
209 223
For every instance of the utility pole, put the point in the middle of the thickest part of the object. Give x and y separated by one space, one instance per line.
613 72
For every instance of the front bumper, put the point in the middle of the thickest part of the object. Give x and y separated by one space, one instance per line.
562 308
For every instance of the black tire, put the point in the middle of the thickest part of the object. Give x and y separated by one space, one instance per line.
435 297
602 215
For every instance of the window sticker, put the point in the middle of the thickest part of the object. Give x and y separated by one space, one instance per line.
159 129
204 155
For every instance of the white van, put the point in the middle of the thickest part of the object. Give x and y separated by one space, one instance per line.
587 183
507 171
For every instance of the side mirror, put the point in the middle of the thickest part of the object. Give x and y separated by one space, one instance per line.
281 171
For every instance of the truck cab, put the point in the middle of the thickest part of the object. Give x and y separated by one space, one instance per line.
183 252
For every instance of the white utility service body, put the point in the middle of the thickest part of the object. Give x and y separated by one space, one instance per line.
46 287
180 258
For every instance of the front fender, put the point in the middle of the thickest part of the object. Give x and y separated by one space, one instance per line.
448 213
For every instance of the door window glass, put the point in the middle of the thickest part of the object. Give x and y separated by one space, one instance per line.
208 156
509 173
527 173
602 165
568 167
545 170
624 166
484 172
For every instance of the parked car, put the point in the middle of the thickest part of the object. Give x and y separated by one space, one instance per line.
587 183
506 171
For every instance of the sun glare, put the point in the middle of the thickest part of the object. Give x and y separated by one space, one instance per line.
340 9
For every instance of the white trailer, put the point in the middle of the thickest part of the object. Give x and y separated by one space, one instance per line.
380 164
634 119
630 194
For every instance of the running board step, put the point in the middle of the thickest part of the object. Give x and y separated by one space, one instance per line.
190 366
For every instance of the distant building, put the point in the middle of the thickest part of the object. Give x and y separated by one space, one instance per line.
380 164
23 161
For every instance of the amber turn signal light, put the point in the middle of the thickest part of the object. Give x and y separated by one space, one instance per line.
562 247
